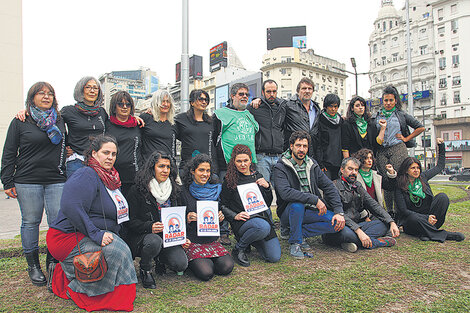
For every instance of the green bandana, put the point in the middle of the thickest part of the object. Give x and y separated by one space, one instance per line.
387 113
331 116
361 124
416 191
367 176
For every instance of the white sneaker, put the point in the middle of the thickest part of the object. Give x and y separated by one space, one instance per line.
349 246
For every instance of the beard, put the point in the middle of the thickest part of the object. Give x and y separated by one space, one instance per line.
270 100
351 178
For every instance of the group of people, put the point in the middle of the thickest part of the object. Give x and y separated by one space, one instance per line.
104 180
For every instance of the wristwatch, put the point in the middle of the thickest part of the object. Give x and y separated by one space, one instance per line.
342 213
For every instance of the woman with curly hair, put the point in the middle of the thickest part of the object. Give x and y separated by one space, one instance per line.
154 189
206 256
257 229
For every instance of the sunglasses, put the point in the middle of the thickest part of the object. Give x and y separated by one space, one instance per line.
203 99
243 94
122 104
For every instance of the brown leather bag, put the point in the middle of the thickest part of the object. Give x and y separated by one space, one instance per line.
90 266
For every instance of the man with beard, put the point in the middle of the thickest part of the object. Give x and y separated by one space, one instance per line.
359 229
269 112
298 180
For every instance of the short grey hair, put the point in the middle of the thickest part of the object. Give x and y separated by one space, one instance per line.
352 159
156 102
79 92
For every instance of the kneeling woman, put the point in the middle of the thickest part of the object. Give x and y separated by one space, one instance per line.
206 256
154 189
422 213
256 230
88 215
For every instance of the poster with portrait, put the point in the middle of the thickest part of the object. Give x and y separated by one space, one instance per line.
208 218
174 226
252 199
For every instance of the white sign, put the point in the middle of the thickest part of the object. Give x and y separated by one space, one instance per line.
208 218
252 199
174 226
121 205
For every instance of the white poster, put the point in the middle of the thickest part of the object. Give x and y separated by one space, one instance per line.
174 226
252 199
121 205
208 218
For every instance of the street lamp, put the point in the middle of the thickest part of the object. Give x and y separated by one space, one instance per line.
424 108
353 63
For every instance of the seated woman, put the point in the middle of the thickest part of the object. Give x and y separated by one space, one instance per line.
422 213
206 256
88 216
257 229
154 188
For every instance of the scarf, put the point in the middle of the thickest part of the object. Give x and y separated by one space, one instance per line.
387 113
110 178
300 169
88 110
416 191
367 176
361 125
206 192
46 121
333 119
130 123
160 191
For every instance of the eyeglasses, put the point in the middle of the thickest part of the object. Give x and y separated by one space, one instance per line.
122 104
43 94
243 94
203 99
94 88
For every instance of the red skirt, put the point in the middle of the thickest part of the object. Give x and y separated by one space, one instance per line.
205 250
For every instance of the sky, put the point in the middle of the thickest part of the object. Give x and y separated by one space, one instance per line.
66 40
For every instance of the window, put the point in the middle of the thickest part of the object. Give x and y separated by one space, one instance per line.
384 60
442 63
424 85
454 25
342 83
384 78
440 14
442 82
374 49
378 25
336 81
445 135
395 57
286 59
455 60
385 26
455 47
457 96
441 31
456 81
453 9
423 50
391 24
395 42
267 74
422 33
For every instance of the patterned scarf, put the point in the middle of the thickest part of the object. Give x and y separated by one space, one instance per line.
110 178
367 176
416 191
387 113
130 123
300 169
333 119
206 192
88 110
46 121
361 125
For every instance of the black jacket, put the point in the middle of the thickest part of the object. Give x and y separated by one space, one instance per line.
330 152
297 119
287 186
352 140
355 199
404 205
270 117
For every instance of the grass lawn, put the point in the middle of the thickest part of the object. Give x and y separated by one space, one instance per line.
413 276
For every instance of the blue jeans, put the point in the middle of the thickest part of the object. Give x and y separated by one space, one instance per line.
374 229
306 223
253 231
72 166
265 165
33 198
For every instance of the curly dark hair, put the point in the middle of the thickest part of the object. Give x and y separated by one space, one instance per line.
362 155
391 90
193 164
147 172
232 173
96 144
402 173
350 112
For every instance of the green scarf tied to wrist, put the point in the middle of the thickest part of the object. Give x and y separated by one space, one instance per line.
361 124
416 191
387 113
367 176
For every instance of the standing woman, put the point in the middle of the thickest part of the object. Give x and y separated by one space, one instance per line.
159 132
397 136
155 188
123 126
206 256
422 213
33 169
88 217
194 129
358 131
256 230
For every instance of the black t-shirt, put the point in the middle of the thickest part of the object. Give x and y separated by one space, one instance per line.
29 156
159 136
81 127
129 158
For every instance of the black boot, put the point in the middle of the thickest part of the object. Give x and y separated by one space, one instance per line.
34 269
51 262
240 257
147 279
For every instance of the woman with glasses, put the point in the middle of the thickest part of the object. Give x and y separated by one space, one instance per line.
194 129
159 132
124 127
33 169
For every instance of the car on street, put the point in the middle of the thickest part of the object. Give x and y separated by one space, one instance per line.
462 176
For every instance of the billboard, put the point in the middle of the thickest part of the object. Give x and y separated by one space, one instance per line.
221 96
195 68
295 36
218 56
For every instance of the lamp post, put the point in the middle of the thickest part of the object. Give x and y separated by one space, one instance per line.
424 108
353 63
